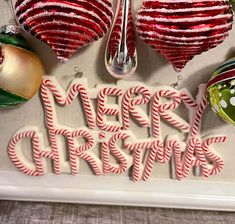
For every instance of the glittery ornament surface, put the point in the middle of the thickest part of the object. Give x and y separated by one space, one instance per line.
181 29
221 91
65 25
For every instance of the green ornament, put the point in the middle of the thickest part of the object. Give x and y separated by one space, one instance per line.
11 35
221 91
20 68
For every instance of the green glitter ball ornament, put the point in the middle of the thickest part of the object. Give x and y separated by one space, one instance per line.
221 91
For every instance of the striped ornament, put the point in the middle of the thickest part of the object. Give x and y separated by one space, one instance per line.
64 25
181 29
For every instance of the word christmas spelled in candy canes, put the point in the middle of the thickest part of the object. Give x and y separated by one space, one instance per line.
102 136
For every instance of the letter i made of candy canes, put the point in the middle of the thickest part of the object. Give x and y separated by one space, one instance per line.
121 55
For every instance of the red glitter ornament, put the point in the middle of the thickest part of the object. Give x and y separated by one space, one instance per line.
181 29
65 25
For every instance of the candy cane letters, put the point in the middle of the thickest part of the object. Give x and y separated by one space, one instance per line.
105 134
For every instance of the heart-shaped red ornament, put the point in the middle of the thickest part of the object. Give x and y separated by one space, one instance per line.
181 29
65 25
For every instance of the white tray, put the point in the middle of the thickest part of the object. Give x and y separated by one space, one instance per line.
119 191
217 193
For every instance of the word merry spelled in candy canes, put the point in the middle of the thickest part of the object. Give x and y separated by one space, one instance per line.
136 153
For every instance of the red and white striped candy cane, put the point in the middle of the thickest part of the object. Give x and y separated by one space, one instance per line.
83 153
150 162
117 153
47 154
48 86
87 136
105 157
138 150
177 159
104 109
128 106
188 155
17 138
196 124
160 109
218 162
194 152
55 150
92 161
188 99
72 152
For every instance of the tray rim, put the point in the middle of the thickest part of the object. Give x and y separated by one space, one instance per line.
188 194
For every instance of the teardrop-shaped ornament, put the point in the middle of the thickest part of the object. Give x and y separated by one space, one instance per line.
121 54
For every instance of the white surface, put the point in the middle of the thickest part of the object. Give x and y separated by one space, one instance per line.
216 193
119 191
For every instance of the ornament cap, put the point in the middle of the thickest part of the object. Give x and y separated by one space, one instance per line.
10 29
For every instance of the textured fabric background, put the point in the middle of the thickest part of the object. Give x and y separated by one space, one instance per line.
56 213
